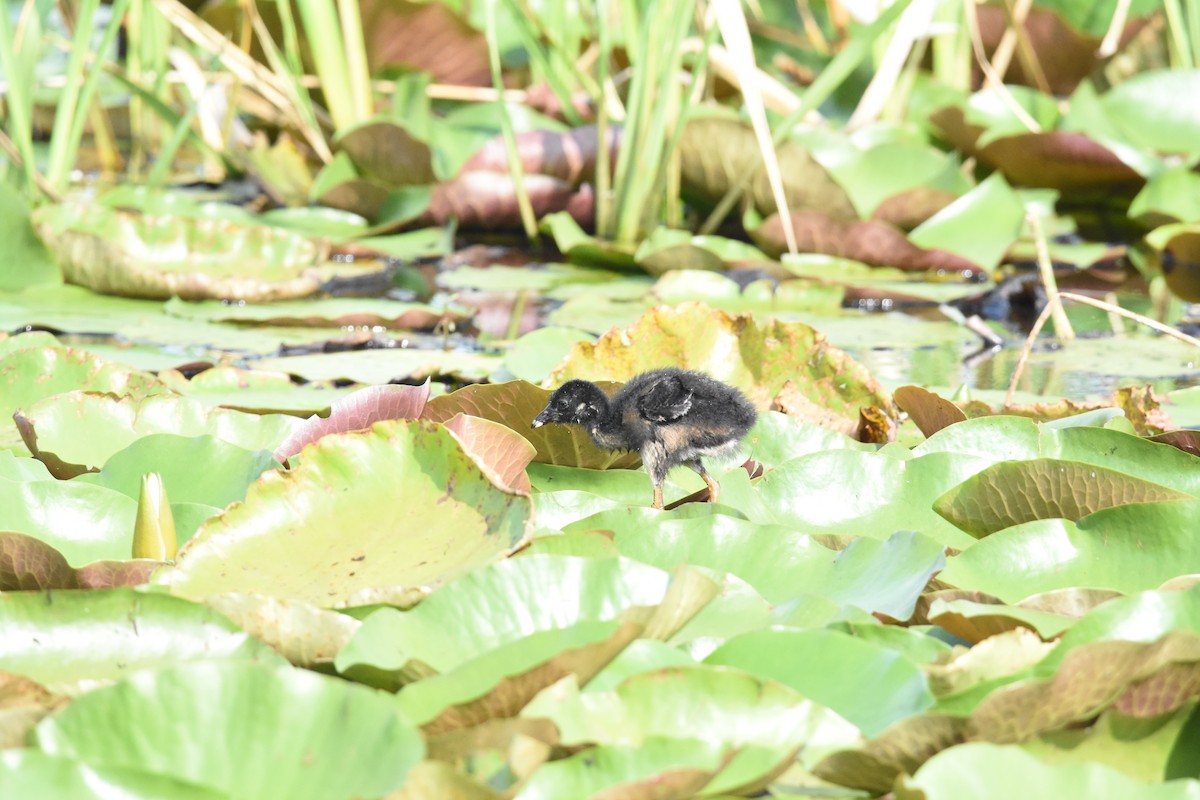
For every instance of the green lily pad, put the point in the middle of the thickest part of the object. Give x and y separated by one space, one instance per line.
22 246
494 668
464 620
442 516
741 710
326 313
874 494
30 370
871 686
783 564
777 438
534 355
84 523
77 432
160 256
667 249
32 773
1126 548
305 635
1146 110
984 771
1013 492
284 732
196 469
1151 752
1005 438
260 392
765 297
385 366
979 226
1139 679
655 768
70 641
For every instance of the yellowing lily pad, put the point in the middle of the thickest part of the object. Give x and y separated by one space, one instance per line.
160 256
788 364
400 505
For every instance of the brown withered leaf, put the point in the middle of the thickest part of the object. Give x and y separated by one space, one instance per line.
871 242
515 405
1148 678
715 152
929 412
513 692
22 703
485 200
1186 440
360 196
387 151
875 426
908 209
493 734
1064 56
429 37
901 749
1061 160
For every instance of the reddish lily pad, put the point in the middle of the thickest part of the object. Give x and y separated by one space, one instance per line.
357 411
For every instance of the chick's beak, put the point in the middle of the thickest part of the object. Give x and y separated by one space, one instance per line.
540 419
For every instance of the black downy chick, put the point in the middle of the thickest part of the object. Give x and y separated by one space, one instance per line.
671 416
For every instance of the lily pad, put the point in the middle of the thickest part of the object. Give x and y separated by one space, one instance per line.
1013 492
1126 548
77 432
357 411
32 773
84 523
286 732
876 494
492 668
161 256
30 370
71 641
869 685
1142 679
327 313
443 516
742 710
984 771
515 405
397 364
764 360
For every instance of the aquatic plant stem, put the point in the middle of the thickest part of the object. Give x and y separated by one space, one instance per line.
1087 301
1062 325
516 171
835 73
1027 348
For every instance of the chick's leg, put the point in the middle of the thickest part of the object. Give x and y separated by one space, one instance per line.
714 488
654 456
